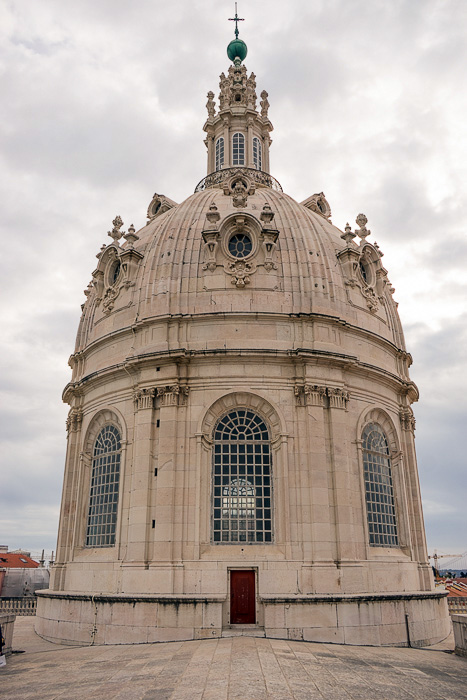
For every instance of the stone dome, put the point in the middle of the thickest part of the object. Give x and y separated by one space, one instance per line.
240 436
297 272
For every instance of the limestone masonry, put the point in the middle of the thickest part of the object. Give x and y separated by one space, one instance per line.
240 437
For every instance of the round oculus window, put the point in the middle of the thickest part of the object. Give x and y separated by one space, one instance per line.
240 245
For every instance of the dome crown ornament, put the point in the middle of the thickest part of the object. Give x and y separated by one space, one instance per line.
237 49
238 133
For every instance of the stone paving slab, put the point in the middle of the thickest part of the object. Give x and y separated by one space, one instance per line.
234 668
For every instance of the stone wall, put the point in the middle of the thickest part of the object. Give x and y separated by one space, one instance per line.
7 622
388 620
459 624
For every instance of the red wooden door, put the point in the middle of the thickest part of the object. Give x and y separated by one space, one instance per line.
242 598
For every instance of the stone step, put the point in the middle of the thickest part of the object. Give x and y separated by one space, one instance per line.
243 631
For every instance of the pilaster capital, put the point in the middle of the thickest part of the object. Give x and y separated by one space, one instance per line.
407 419
74 420
144 398
318 395
172 395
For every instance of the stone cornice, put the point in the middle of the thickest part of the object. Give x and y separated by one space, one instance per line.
349 362
181 598
351 597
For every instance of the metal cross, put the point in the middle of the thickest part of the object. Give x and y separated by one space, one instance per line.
236 19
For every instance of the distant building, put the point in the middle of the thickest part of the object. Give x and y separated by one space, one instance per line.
20 575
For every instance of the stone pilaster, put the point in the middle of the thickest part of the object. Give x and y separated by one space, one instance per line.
69 496
141 476
170 499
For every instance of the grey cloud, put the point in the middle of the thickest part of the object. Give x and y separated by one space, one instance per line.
103 104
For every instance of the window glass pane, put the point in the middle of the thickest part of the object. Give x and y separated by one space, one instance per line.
219 153
379 492
241 517
257 153
238 149
105 476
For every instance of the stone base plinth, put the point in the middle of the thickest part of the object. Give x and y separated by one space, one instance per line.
459 624
417 619
7 622
75 618
392 619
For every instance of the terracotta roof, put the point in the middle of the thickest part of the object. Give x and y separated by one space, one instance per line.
457 588
17 561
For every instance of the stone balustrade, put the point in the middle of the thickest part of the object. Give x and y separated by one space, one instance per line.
457 605
25 605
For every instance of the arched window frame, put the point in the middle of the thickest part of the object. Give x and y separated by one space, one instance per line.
104 488
242 486
379 487
257 153
238 149
220 153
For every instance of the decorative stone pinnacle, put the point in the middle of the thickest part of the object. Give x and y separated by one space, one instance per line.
348 235
362 221
115 233
131 236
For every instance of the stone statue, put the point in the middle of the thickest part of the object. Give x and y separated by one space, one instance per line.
251 91
224 85
264 104
210 104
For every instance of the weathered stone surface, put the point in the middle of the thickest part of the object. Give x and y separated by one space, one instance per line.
182 325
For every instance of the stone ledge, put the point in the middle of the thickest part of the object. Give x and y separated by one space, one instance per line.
351 597
134 598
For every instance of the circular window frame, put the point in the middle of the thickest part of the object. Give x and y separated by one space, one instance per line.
112 279
248 235
249 226
367 265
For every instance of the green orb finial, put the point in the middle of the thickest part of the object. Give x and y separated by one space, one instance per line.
237 49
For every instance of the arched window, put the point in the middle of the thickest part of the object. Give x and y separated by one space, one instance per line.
219 153
379 490
238 149
242 488
103 500
257 154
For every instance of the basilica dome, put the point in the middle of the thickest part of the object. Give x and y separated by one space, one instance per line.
241 449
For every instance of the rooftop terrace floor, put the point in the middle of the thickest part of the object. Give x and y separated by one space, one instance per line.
244 668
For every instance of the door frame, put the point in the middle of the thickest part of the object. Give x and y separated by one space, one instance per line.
229 589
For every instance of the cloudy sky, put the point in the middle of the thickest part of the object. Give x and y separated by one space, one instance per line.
102 104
